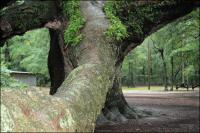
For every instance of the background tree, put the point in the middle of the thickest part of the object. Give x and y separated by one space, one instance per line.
166 42
35 46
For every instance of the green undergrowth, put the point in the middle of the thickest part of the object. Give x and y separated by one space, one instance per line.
117 30
8 82
72 34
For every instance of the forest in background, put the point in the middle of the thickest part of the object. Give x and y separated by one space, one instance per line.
35 47
168 57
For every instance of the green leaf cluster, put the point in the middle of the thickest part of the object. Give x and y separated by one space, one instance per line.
117 30
72 34
8 81
28 53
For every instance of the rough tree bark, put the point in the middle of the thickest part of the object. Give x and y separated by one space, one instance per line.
82 95
21 17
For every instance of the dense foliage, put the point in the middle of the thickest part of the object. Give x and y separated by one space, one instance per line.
178 43
8 81
76 21
28 53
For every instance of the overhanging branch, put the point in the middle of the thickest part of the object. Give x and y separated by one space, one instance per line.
17 18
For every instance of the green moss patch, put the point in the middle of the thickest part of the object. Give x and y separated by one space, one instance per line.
117 30
72 34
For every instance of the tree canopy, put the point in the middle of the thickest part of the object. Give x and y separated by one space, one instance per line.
178 40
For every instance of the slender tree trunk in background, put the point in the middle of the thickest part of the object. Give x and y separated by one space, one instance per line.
172 65
133 76
182 70
149 67
132 80
182 67
165 73
172 73
172 70
165 70
130 75
199 66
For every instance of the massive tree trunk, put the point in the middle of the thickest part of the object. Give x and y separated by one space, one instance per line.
83 93
116 108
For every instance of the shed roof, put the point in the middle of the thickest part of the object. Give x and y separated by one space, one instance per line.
20 72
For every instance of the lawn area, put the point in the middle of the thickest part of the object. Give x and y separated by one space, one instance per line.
142 88
152 88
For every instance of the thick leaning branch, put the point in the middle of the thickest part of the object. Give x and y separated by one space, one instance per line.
21 17
74 108
80 98
151 16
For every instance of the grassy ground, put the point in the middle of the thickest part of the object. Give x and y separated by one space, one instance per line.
152 88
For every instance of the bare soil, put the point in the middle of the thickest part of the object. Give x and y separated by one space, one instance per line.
170 112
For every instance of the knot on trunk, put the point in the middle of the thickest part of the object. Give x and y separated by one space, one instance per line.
6 28
55 24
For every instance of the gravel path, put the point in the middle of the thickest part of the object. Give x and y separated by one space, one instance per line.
171 112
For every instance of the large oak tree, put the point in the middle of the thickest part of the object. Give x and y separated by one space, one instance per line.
86 78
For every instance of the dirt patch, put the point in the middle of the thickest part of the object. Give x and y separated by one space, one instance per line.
171 112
